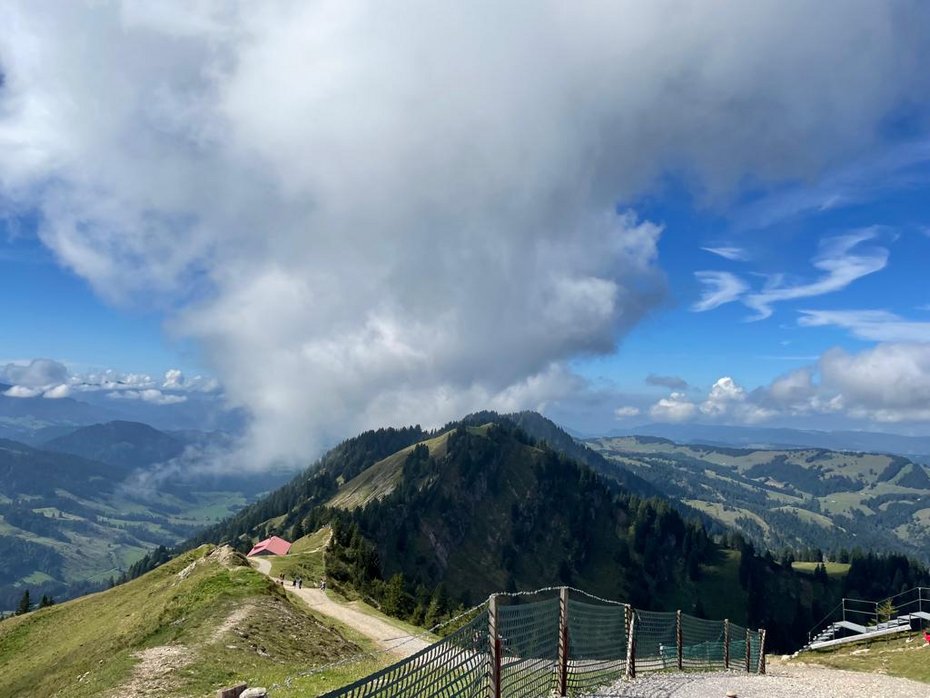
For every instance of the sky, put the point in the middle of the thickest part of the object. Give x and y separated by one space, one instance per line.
341 215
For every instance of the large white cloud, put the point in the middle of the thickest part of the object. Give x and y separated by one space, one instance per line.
374 212
888 383
38 373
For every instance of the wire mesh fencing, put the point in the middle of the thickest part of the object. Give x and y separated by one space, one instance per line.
703 644
455 666
597 645
527 646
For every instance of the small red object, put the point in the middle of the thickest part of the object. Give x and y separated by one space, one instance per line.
927 637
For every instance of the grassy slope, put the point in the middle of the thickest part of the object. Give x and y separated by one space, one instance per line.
88 647
834 569
379 480
908 657
305 558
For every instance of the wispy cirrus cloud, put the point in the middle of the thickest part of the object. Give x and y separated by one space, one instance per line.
720 287
872 325
734 254
843 259
902 166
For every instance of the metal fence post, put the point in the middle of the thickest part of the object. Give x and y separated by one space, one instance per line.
563 641
631 644
726 643
678 639
762 650
748 640
494 690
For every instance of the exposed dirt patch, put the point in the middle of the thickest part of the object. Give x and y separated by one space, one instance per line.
155 673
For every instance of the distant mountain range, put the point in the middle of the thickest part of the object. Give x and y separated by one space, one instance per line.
80 508
36 420
798 498
914 447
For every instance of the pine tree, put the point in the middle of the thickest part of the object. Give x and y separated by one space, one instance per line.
25 604
885 611
298 532
46 601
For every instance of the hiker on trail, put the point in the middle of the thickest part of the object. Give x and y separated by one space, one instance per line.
300 582
323 584
294 582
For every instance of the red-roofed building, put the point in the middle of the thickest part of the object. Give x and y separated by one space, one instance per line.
270 546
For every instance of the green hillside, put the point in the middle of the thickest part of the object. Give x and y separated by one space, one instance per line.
69 524
441 519
424 523
791 498
493 510
203 621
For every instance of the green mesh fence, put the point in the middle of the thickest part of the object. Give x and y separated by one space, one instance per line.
737 647
597 642
702 643
528 637
529 648
654 635
455 666
755 645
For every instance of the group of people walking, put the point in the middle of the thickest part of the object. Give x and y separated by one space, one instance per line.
298 582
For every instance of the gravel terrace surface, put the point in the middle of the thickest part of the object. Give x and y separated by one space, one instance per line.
782 681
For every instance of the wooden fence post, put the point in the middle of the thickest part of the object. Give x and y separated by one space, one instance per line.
631 644
495 649
563 641
747 649
726 643
762 650
678 639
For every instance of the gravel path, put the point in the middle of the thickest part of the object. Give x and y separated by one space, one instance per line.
782 681
384 634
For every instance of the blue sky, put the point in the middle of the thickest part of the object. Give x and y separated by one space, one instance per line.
351 215
53 313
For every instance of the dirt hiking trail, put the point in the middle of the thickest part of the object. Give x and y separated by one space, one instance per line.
383 634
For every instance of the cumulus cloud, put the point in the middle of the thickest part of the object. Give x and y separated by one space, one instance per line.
150 395
22 391
57 392
37 373
369 213
173 379
674 408
889 383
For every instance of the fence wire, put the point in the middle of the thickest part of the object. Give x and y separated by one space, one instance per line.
654 635
455 666
702 643
530 648
597 644
528 635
